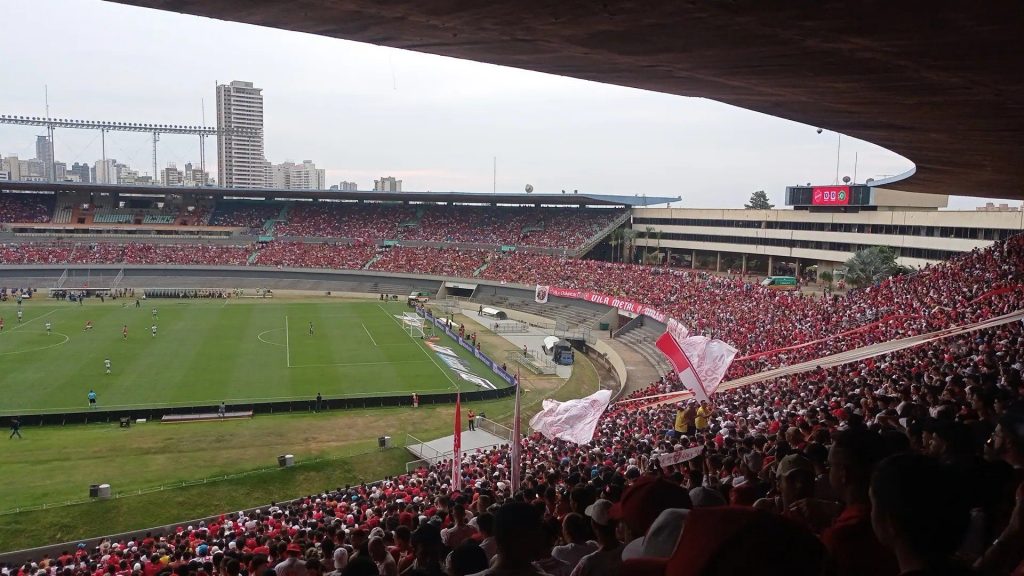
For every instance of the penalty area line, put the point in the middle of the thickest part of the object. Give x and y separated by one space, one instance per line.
287 345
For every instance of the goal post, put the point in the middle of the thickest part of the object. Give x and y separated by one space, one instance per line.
413 325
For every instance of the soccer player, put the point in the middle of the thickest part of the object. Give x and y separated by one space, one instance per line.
88 326
154 314
49 327
20 313
124 332
15 428
106 364
310 328
153 330
1 323
92 399
221 410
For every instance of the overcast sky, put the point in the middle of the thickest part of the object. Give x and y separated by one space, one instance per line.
362 111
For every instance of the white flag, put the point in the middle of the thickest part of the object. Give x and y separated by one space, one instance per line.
573 421
710 358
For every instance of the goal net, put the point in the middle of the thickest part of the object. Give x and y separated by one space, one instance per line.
413 325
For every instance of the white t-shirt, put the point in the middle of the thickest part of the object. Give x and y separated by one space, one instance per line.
572 553
600 563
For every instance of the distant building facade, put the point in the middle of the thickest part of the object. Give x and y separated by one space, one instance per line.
292 176
387 184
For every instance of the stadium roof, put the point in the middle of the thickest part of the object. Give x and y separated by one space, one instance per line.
938 82
280 194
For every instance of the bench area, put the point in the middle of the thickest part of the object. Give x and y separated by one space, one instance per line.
177 418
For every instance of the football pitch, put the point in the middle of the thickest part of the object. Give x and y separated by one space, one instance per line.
209 351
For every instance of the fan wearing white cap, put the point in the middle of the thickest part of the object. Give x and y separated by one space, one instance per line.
608 558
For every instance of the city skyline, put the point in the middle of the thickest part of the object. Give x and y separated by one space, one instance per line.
361 111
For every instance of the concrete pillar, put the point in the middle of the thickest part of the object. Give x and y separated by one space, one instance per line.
718 264
693 260
771 267
743 270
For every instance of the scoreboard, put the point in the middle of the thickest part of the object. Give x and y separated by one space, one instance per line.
829 197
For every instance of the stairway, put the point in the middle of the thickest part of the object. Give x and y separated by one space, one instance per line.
642 340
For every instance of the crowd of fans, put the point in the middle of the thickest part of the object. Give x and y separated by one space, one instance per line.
243 214
314 255
127 253
26 208
444 262
974 286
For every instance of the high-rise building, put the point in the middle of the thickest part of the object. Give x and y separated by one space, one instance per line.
240 156
346 186
60 171
387 184
195 176
44 153
171 176
81 172
292 176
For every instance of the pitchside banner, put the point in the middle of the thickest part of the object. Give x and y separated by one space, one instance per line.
496 368
606 300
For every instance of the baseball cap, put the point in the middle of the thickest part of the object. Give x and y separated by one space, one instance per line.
294 548
645 499
599 511
660 541
792 463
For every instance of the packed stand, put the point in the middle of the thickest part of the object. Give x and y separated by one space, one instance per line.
367 222
243 214
545 227
130 253
442 262
314 255
26 208
755 320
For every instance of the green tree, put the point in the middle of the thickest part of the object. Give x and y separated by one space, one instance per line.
648 234
759 201
629 243
615 238
872 265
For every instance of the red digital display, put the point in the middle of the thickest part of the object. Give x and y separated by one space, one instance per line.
830 196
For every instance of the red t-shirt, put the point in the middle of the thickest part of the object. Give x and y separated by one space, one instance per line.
853 547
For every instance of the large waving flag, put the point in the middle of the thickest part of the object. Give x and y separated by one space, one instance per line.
457 447
573 421
699 361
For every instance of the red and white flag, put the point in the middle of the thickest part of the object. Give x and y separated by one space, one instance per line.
457 447
700 362
517 441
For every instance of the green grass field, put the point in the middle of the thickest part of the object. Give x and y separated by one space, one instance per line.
208 351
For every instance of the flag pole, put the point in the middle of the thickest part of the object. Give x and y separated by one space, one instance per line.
457 446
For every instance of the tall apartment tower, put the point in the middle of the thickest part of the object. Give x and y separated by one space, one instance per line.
44 153
240 161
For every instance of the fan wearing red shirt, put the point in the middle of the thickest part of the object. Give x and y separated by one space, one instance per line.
852 545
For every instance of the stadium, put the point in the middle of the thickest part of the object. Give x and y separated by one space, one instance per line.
224 380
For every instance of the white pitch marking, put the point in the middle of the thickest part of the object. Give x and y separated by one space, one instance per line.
370 335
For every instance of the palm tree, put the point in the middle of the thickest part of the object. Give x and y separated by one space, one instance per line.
648 232
614 239
629 238
871 266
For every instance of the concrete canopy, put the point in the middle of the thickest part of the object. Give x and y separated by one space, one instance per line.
937 81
